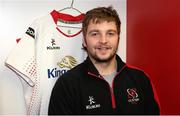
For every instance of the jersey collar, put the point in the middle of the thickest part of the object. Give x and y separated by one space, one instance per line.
66 17
69 19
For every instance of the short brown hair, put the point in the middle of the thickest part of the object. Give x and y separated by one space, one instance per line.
101 14
98 15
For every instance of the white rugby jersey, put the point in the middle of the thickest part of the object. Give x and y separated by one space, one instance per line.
51 46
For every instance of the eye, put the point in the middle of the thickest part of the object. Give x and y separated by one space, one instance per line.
111 33
94 34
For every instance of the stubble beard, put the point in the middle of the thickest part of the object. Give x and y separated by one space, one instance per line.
96 58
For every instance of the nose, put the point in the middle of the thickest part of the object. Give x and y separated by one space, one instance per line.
103 39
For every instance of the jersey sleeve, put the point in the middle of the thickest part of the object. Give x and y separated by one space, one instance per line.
22 57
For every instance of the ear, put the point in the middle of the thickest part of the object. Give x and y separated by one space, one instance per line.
84 42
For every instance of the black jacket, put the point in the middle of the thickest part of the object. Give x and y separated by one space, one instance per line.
82 90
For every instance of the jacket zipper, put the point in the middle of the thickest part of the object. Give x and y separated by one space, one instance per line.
112 97
110 88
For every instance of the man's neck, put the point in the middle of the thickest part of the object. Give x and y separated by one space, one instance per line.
106 68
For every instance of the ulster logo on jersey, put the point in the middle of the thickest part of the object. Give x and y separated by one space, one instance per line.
53 45
133 97
30 31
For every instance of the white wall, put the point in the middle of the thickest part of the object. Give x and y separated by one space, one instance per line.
15 17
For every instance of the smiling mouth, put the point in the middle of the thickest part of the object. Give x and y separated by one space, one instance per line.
103 48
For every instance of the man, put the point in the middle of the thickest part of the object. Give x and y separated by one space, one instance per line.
103 83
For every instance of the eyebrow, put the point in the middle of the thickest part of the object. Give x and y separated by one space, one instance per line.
112 30
96 30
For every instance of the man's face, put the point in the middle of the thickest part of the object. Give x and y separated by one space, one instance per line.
101 41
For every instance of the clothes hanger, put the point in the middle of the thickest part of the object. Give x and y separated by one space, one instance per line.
70 10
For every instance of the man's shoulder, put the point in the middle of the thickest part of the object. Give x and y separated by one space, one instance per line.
75 72
137 75
134 69
136 72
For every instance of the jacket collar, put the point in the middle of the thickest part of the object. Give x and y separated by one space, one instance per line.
91 68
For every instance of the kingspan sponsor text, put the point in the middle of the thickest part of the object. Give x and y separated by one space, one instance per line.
53 73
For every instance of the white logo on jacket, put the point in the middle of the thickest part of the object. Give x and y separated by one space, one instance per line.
92 103
133 97
91 100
